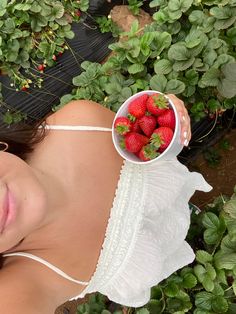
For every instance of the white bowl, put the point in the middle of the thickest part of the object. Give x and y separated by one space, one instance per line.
171 151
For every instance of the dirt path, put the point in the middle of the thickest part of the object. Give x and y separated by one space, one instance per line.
221 175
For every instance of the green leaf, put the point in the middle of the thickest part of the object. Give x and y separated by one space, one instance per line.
225 261
210 220
171 290
178 6
207 283
218 290
126 92
22 6
227 88
223 59
179 52
210 271
214 43
211 236
229 71
192 77
228 244
219 304
161 16
158 82
142 311
203 300
183 65
193 39
155 306
211 77
156 3
189 91
35 7
231 33
161 42
3 4
200 272
189 281
136 68
174 87
203 257
163 66
196 17
209 56
224 24
234 287
221 13
134 27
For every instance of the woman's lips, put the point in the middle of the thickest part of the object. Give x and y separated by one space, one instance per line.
8 211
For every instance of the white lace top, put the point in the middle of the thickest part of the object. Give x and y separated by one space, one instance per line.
145 236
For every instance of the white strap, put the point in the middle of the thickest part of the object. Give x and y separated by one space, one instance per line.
52 267
76 128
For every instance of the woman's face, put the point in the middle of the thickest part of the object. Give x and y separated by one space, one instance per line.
22 201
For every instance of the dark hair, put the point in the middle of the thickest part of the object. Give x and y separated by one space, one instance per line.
22 137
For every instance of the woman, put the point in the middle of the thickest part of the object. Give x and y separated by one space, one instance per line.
56 210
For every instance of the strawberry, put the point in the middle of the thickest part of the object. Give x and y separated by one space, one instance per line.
161 137
122 125
41 67
54 57
147 152
147 124
157 104
135 127
78 13
24 88
135 141
167 119
137 107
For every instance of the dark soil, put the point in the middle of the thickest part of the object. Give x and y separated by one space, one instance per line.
218 166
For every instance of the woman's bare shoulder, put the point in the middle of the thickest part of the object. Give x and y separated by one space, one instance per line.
17 295
83 112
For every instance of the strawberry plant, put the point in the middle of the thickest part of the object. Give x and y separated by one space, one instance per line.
188 50
32 35
208 285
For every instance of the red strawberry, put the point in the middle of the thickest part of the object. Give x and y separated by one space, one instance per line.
78 13
41 67
161 137
157 104
147 124
122 125
167 119
136 127
24 88
135 141
147 152
137 107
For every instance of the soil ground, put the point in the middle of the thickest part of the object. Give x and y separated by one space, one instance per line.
219 170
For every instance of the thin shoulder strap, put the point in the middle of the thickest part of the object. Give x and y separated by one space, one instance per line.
52 267
76 128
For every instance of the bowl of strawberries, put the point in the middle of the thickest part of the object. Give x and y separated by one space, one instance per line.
146 128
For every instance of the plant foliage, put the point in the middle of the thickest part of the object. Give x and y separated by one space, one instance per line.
188 50
208 286
33 33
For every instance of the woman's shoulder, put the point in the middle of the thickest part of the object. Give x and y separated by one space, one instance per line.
83 112
17 294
